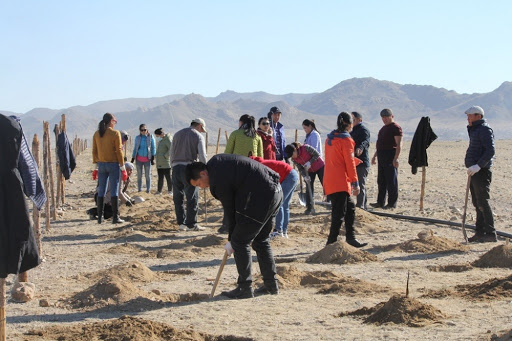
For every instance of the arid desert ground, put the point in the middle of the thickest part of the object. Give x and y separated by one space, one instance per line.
145 280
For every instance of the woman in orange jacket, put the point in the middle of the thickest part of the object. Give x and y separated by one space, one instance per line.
340 179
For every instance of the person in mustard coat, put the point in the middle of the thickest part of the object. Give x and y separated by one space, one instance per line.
340 180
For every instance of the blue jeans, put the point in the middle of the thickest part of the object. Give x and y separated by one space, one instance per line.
283 215
182 189
147 173
108 171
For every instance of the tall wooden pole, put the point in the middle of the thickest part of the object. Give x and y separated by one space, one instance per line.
57 165
218 141
423 180
3 335
50 169
227 138
46 180
62 180
36 215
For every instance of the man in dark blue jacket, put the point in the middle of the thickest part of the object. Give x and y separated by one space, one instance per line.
274 115
361 136
478 161
251 196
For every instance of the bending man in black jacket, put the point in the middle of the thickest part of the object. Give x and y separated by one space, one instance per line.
251 196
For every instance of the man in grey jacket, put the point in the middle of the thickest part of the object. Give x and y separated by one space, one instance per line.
478 161
188 146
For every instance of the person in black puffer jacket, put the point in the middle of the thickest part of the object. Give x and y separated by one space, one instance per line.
251 196
478 161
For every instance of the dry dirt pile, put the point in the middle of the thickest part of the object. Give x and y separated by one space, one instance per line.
212 240
450 268
400 310
498 257
131 271
122 329
341 253
429 244
495 288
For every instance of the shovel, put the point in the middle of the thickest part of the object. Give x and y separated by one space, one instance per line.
302 195
224 259
465 209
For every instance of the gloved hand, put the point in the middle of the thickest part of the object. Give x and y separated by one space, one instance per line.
229 248
307 179
129 203
307 166
473 170
95 174
124 175
152 160
133 160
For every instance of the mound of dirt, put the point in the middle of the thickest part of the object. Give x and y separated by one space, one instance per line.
401 310
128 249
211 240
495 288
131 271
369 223
498 257
107 291
122 329
341 253
450 268
428 244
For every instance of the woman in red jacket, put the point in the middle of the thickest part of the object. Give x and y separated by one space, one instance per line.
265 132
340 179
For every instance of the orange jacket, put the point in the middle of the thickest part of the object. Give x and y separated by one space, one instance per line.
107 148
340 164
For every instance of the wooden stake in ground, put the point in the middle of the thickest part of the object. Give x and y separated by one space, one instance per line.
227 138
407 286
57 166
3 335
217 279
50 171
423 180
218 141
465 210
36 215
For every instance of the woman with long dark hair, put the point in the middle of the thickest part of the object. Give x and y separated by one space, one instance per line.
144 151
107 153
340 179
245 139
266 134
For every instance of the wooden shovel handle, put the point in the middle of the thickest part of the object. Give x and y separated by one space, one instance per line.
224 259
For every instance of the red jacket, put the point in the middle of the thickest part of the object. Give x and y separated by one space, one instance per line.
305 156
269 146
340 164
280 167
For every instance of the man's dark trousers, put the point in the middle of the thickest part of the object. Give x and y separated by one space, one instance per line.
387 178
248 230
480 188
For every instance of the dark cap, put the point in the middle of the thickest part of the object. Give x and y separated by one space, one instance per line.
275 110
386 112
158 131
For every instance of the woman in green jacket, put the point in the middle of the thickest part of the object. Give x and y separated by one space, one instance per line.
163 162
245 139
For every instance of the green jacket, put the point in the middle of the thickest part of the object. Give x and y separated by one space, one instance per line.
163 152
241 144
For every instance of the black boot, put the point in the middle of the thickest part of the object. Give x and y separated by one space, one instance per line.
267 289
355 243
239 292
115 211
99 203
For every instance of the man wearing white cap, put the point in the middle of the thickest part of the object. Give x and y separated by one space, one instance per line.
478 160
188 146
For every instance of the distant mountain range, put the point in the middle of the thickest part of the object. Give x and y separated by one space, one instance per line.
366 95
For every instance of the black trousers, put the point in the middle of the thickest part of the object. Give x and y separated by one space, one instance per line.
480 188
164 172
320 174
387 178
342 209
249 231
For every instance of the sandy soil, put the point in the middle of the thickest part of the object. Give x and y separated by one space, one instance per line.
145 280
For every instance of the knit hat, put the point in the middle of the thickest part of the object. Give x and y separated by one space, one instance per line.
475 110
386 112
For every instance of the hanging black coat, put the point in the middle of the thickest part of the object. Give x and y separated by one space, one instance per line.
66 157
422 139
18 248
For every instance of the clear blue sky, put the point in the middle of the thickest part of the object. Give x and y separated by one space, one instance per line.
57 54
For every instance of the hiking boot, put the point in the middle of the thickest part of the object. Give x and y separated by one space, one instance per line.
239 293
476 237
223 229
484 238
158 193
266 290
355 243
309 211
376 205
389 207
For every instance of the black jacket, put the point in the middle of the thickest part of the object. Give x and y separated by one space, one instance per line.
481 148
361 136
18 248
422 139
243 186
66 157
